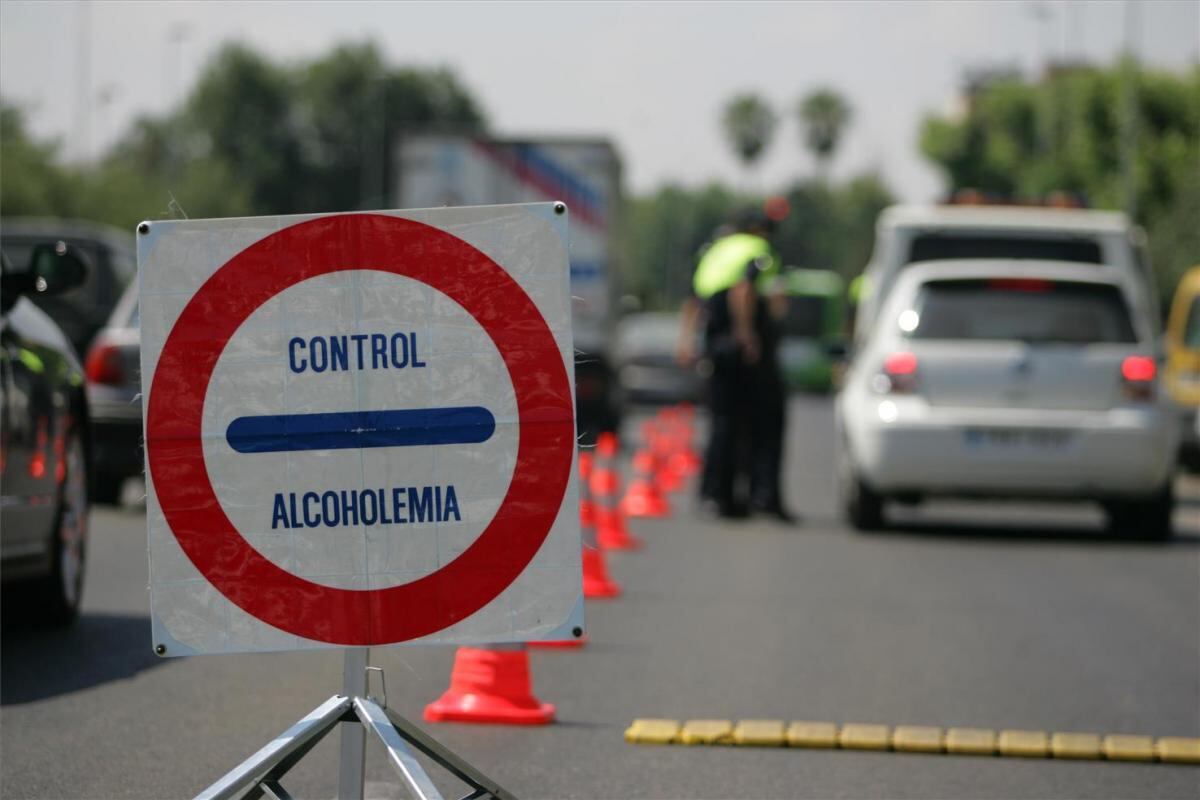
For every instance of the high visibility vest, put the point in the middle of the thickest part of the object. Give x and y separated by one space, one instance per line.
858 288
725 262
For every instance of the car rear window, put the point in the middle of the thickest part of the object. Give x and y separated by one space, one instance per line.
1022 309
940 247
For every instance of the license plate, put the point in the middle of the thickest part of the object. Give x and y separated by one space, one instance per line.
1008 439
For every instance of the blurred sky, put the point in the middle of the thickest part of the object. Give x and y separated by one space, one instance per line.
651 76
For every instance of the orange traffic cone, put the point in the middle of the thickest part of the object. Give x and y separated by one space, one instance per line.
587 506
664 438
611 530
597 585
643 498
490 685
685 460
587 521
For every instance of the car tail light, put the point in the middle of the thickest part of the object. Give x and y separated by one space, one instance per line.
1138 374
899 374
103 364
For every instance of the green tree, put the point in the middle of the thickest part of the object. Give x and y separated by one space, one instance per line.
351 106
31 183
1023 140
823 116
317 136
749 123
243 110
252 137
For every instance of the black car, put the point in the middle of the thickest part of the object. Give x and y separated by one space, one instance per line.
43 441
112 263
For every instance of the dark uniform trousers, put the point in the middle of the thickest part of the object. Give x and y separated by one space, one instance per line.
747 417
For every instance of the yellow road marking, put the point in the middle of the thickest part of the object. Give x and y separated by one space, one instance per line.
971 741
706 731
1075 745
812 734
864 737
1178 749
759 733
917 739
652 731
1030 744
1129 748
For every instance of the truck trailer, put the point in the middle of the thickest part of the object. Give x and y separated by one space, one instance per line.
457 170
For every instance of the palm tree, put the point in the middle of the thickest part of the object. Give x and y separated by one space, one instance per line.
749 124
824 115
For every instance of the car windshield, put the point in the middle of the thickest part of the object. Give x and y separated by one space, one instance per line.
1022 245
805 316
1021 309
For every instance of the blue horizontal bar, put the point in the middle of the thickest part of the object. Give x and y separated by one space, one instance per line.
280 433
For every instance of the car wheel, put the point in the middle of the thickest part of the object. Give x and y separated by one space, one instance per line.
861 505
58 594
1143 518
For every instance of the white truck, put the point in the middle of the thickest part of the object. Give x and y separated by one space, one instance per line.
451 170
907 235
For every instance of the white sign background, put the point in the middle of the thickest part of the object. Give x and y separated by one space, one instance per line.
257 374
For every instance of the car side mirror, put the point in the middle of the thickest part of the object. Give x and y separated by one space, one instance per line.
56 267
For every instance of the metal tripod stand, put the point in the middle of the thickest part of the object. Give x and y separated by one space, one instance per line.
260 775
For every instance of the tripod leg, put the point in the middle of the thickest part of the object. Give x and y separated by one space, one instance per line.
270 782
275 791
374 719
253 769
453 763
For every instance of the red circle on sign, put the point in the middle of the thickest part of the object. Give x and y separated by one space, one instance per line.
544 451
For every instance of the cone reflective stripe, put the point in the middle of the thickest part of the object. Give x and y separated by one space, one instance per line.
490 685
643 499
611 530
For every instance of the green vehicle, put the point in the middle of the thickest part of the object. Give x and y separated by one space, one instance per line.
813 323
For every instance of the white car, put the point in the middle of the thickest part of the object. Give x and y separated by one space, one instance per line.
1009 379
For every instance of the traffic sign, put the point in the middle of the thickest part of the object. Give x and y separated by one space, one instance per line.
359 429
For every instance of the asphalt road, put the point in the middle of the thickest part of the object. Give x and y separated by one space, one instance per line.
1014 616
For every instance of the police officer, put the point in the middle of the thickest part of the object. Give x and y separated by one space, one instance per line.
746 390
